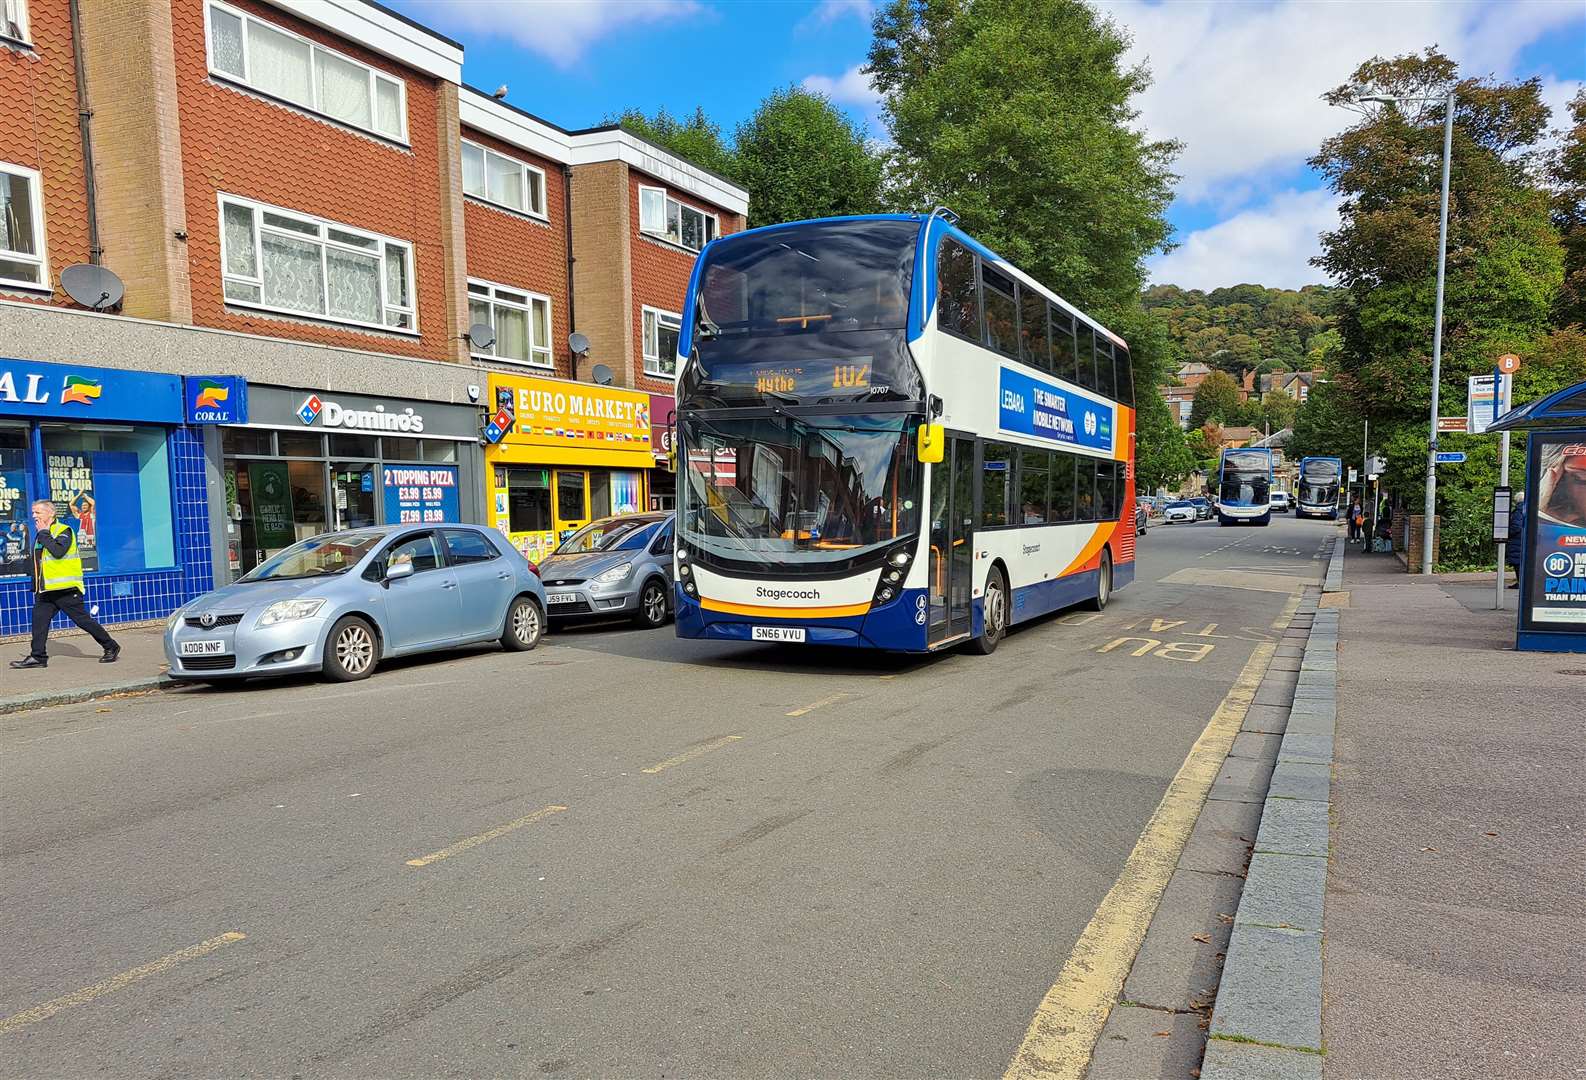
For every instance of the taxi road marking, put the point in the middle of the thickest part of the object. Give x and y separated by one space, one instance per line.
821 704
116 982
1070 1018
691 754
475 841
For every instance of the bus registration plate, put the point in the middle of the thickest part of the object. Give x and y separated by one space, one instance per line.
777 633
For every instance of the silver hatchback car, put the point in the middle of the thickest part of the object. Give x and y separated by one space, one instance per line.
341 602
614 566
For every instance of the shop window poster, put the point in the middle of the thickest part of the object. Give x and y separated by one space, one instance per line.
71 479
1558 580
270 496
417 496
13 514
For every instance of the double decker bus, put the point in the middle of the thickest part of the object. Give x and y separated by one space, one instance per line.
1244 487
1317 490
888 437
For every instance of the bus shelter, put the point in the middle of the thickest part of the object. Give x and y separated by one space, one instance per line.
1552 615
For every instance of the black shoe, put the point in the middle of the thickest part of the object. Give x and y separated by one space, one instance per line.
112 654
30 661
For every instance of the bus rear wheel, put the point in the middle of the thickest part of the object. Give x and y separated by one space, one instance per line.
994 614
1103 584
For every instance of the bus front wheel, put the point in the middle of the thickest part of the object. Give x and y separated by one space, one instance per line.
1103 584
994 614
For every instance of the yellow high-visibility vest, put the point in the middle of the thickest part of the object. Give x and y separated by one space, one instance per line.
65 572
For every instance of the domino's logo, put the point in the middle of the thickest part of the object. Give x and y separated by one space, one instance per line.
1090 423
309 411
1558 564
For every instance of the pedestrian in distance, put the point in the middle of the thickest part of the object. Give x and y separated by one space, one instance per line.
1514 551
1385 526
1357 520
58 586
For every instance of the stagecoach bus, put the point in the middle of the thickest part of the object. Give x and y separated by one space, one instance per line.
1317 490
889 437
1244 487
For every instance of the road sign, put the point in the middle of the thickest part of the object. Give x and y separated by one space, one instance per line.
1502 504
1508 363
1450 457
1452 423
1377 465
1479 404
1354 475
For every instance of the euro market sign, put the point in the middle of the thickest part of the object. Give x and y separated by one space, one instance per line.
549 412
1030 406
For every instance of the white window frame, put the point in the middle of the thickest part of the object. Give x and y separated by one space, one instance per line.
35 180
651 339
322 238
524 166
18 10
667 201
375 75
491 295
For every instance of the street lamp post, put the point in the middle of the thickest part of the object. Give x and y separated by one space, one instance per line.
1437 328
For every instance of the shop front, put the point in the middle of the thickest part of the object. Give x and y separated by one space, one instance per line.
120 455
311 461
569 453
663 481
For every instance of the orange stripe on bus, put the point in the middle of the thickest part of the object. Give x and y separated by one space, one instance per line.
836 612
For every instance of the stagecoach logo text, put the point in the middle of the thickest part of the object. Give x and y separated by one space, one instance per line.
786 594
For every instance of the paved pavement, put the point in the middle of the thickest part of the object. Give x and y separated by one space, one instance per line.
1455 921
620 854
75 671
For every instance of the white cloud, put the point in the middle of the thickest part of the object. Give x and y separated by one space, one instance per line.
1556 95
852 87
1270 246
830 11
1241 84
559 30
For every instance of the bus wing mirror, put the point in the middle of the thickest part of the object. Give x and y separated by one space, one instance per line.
932 443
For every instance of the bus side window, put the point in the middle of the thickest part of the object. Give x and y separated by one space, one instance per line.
1104 375
1062 344
1125 377
996 482
1033 469
1002 311
1035 348
1085 490
1062 487
958 299
1106 491
1085 339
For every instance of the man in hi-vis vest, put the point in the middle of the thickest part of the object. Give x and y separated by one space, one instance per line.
58 586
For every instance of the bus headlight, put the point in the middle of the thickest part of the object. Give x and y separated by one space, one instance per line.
683 570
899 557
894 576
885 595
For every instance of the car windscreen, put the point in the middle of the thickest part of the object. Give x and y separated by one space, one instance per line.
332 553
611 534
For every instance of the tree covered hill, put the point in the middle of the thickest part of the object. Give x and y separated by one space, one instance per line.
1247 327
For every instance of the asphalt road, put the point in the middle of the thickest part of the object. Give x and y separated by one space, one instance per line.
619 855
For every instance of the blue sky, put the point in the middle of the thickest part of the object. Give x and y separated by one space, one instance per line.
1238 83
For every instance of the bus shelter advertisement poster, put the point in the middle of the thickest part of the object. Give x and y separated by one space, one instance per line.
1558 582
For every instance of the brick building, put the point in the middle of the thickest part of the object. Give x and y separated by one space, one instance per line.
300 194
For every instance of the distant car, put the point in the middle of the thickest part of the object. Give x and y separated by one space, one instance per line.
1142 517
1183 510
615 566
341 602
1279 502
1203 508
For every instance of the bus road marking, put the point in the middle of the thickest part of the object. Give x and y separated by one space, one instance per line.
821 704
1185 652
1063 1033
691 754
475 841
116 982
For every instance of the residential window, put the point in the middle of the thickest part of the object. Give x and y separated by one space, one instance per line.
663 216
14 19
21 228
282 64
521 322
284 261
661 330
504 181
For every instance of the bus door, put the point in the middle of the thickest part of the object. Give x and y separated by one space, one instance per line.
951 555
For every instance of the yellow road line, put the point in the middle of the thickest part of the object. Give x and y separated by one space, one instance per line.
1289 608
821 704
115 982
1063 1033
691 754
475 841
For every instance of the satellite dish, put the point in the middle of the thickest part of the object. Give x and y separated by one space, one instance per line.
92 286
480 336
601 374
578 343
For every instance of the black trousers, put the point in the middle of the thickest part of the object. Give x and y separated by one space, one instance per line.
46 604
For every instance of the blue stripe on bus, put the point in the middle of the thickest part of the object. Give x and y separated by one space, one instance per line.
1043 597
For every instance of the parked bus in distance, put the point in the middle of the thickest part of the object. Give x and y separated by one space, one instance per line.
888 437
1244 487
1317 489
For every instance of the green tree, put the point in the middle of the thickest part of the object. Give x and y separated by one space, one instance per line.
697 138
1216 398
800 158
1567 171
1162 457
1020 117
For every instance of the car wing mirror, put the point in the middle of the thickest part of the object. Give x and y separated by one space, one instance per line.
397 571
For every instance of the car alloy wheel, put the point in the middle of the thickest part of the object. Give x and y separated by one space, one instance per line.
355 649
526 624
652 605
